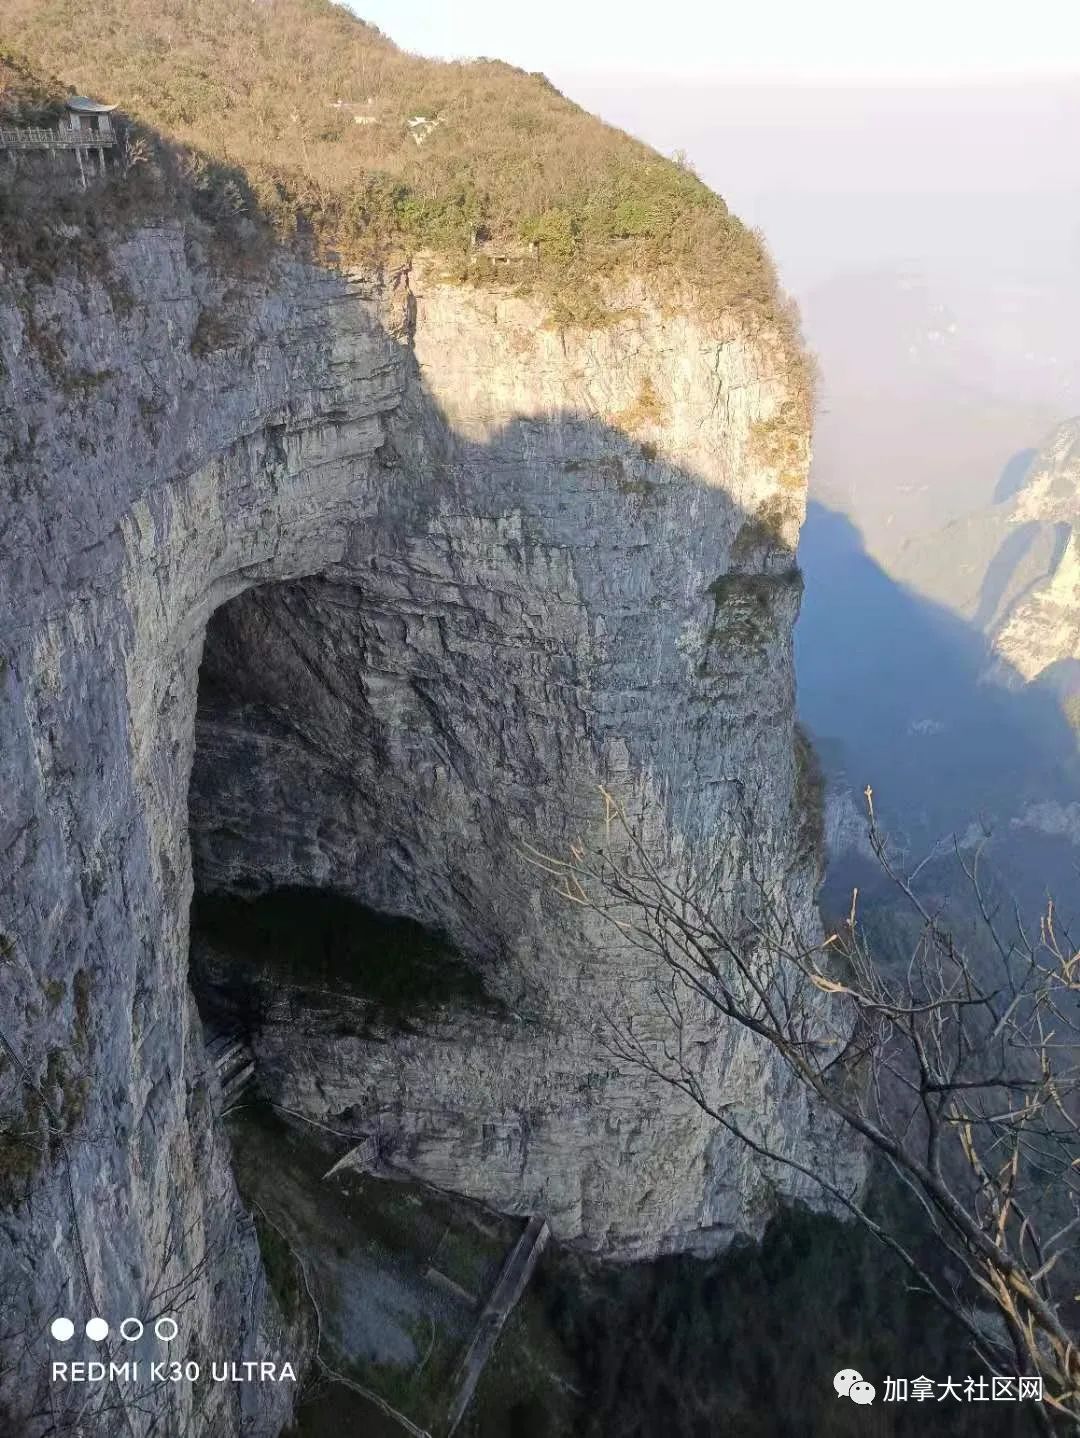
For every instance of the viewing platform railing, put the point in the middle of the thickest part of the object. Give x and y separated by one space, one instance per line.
62 138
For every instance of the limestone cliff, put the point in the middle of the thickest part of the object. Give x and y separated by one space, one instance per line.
1008 569
1038 634
461 566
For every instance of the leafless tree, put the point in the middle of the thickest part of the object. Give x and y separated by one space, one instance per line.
956 1066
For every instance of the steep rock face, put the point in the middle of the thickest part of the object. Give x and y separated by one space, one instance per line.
492 547
137 502
1010 569
1041 629
528 618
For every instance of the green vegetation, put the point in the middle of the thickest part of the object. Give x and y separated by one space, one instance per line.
43 1108
532 1384
743 1344
809 798
282 1268
327 942
763 532
73 1090
742 618
80 987
301 111
326 1407
366 1245
49 223
213 331
48 1108
23 1146
55 989
780 443
644 487
608 466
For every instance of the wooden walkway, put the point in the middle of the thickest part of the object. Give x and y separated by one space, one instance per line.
515 1275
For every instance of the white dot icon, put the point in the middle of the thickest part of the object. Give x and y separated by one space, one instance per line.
96 1329
166 1329
131 1330
62 1329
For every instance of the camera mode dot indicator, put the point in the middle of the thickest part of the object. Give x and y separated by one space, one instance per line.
96 1329
62 1329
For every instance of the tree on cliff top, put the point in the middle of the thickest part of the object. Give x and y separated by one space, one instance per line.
368 150
957 1067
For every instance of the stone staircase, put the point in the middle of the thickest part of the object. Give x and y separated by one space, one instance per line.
234 1064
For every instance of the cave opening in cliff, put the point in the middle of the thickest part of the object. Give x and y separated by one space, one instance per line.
316 951
284 825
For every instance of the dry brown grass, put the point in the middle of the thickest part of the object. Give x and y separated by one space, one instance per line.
647 409
26 98
255 85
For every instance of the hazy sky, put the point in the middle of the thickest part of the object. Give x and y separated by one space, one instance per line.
929 227
826 39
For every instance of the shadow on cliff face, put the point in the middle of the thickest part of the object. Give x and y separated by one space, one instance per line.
668 678
461 681
900 683
391 730
366 971
301 705
1012 477
662 679
747 1344
1015 547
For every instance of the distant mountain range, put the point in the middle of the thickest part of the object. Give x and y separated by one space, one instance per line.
1012 570
946 675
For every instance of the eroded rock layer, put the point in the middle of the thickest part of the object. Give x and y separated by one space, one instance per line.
477 567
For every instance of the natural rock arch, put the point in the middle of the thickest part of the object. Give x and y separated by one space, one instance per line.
436 457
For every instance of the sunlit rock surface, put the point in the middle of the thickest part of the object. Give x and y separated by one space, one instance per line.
490 547
1042 628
